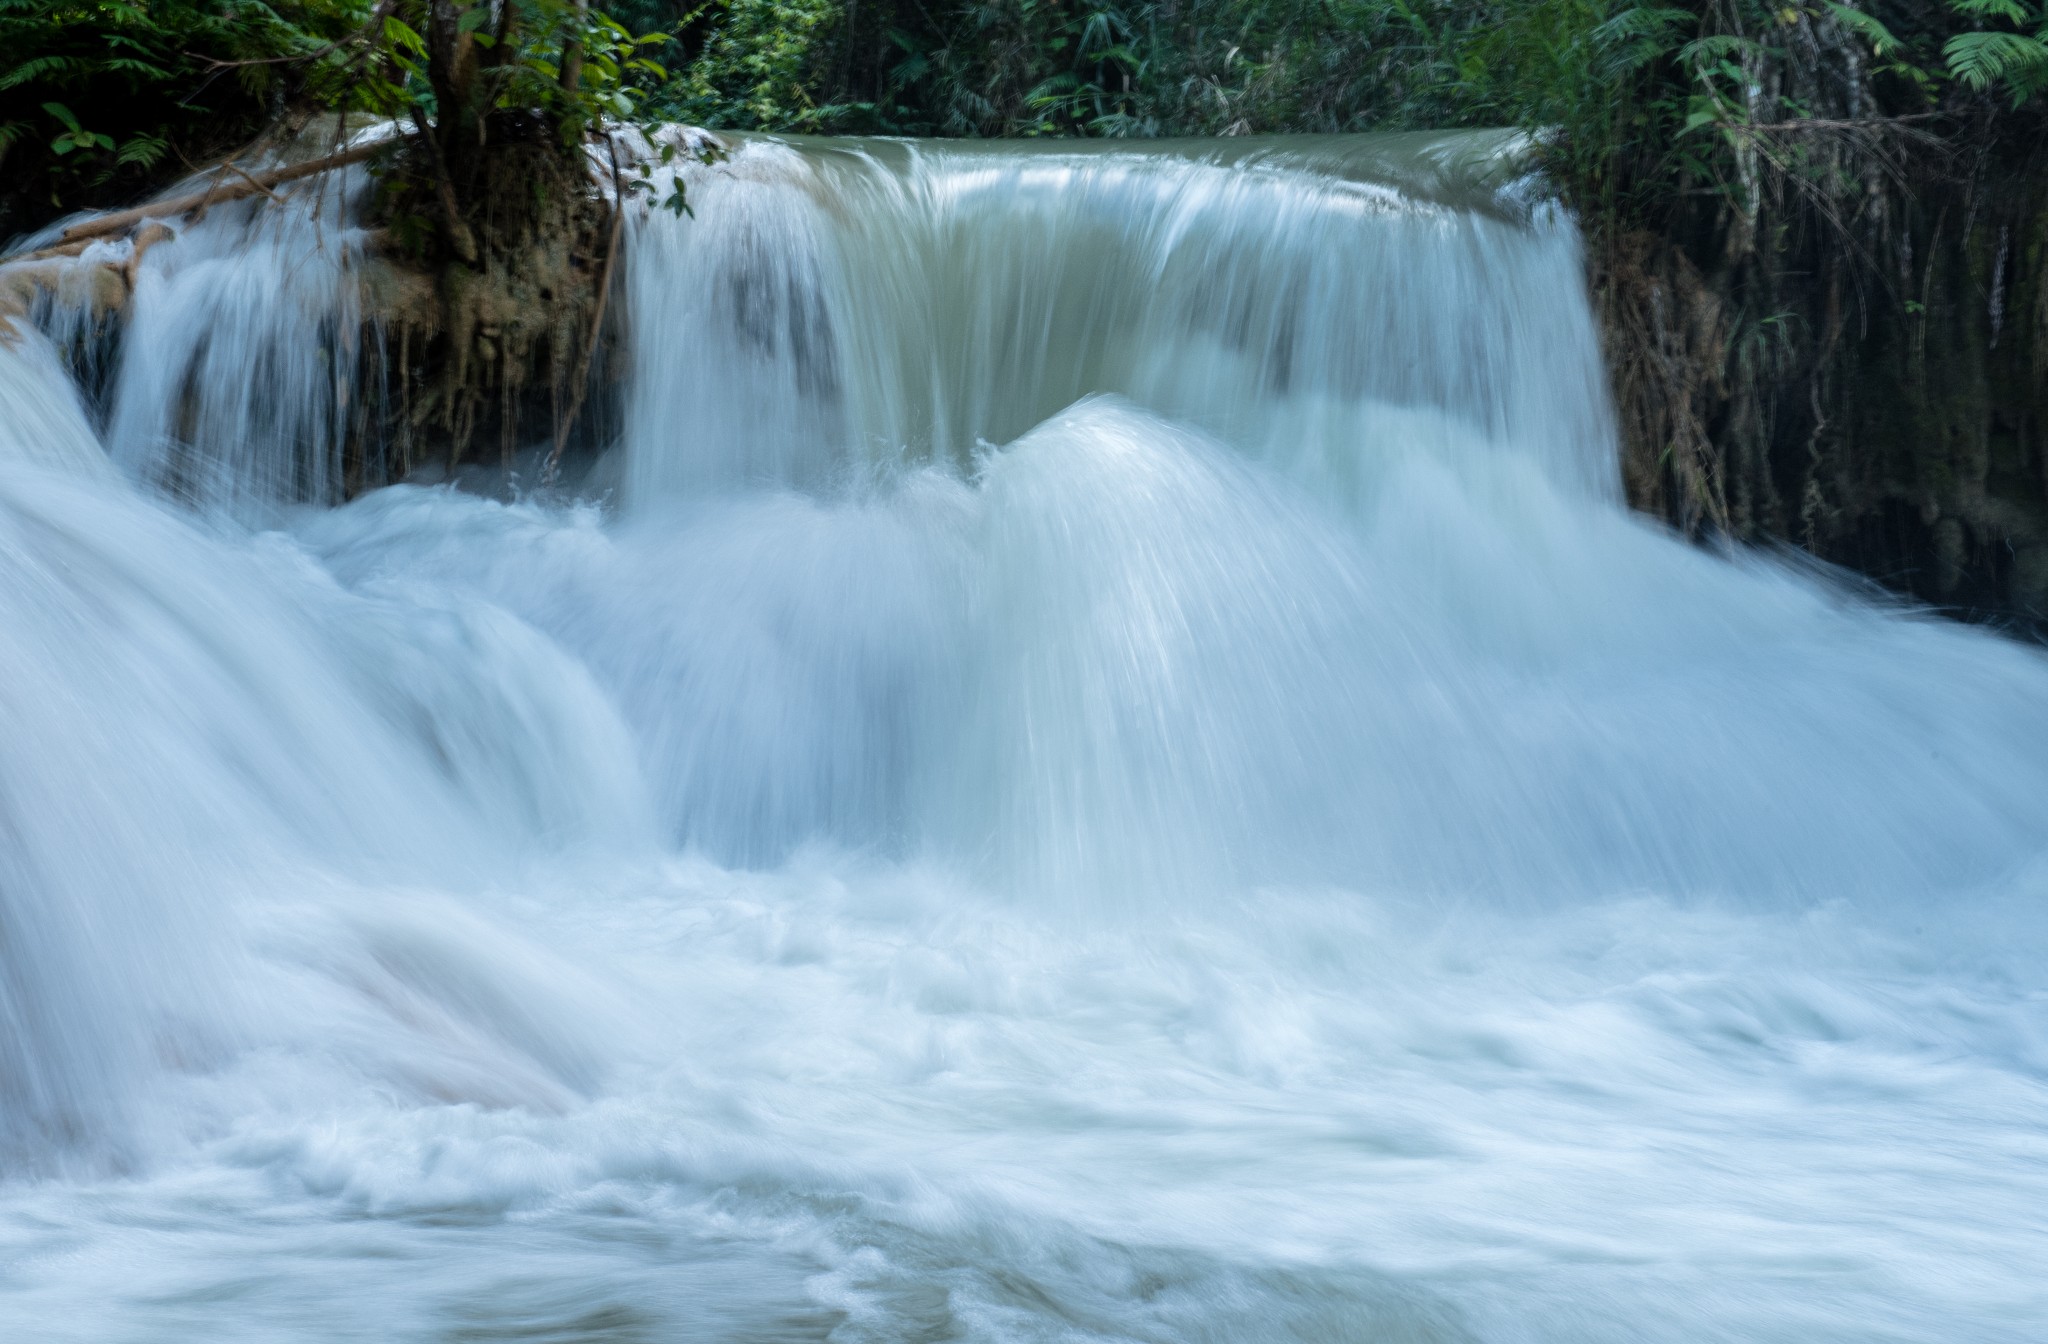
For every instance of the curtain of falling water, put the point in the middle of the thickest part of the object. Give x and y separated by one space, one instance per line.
868 305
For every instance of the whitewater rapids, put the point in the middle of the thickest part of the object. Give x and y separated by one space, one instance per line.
1102 762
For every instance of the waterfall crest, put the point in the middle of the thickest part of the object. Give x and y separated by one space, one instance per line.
846 308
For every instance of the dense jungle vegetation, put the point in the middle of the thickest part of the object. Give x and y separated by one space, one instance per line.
1643 103
1814 232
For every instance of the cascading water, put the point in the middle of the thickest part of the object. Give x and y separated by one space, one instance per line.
1115 770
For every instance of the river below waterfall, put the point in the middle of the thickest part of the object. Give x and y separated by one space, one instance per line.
1102 761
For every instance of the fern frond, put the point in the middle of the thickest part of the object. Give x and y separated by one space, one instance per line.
143 150
1643 21
41 67
1983 59
1703 49
129 65
1635 38
1991 9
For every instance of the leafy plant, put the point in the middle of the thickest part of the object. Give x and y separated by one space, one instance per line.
97 93
759 67
98 96
2015 58
75 136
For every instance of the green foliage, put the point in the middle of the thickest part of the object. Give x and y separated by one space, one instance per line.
2015 61
521 50
1641 102
95 94
1638 100
758 68
646 175
100 97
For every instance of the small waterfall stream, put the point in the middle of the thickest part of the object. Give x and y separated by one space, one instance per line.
1102 761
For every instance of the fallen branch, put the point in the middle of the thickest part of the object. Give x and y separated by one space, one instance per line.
253 184
46 253
22 279
150 236
220 175
107 286
239 171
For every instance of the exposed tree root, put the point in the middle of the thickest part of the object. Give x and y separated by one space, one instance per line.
501 343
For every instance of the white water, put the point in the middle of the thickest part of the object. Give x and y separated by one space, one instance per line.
1270 851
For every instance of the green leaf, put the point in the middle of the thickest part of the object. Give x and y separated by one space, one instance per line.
401 35
64 114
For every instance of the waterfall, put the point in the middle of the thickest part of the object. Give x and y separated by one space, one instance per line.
868 306
1102 760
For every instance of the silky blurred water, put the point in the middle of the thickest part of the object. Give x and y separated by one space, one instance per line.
1109 766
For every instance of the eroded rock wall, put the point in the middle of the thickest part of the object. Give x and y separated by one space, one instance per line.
1871 387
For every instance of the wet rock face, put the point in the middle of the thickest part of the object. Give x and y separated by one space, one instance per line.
1937 482
1881 402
